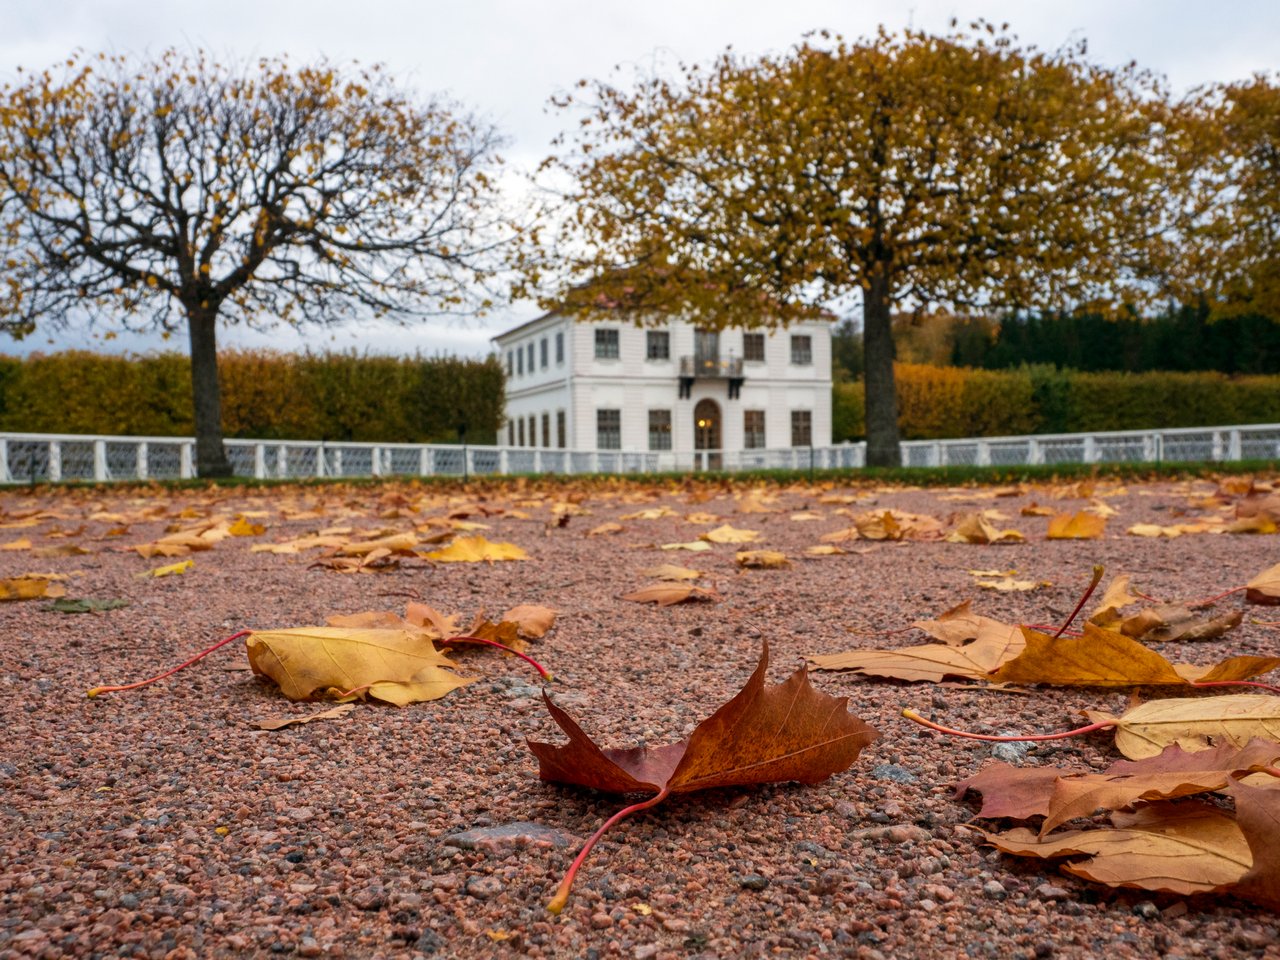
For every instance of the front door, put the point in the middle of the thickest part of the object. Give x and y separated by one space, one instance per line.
706 435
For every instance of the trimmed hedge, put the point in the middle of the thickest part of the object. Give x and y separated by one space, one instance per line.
940 402
267 395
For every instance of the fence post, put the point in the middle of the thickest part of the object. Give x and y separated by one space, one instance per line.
99 460
186 470
259 461
1233 446
1217 445
375 461
984 454
424 461
55 461
5 475
504 465
1034 453
282 462
143 451
320 460
1090 454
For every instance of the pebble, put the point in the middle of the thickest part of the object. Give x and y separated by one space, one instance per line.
753 881
994 890
646 951
506 838
1010 752
1050 891
1146 910
482 888
894 772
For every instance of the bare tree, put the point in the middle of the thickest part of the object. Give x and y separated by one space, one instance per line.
181 190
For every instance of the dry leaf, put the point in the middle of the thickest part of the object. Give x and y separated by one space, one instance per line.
761 559
668 594
787 731
22 543
652 513
728 534
1079 526
1258 816
1165 622
669 571
394 543
974 528
826 550
1194 724
532 621
279 723
476 550
1265 587
244 528
1115 598
694 546
30 587
604 529
170 570
397 666
1010 585
1035 510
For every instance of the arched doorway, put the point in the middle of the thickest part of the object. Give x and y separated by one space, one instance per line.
707 434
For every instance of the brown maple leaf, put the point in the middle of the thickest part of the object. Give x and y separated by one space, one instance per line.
788 731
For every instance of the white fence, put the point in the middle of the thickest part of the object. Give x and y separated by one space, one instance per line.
35 458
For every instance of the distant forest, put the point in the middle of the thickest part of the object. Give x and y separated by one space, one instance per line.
1179 340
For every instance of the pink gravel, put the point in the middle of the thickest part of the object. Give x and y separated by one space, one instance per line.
160 823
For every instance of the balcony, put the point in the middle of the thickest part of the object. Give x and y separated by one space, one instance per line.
710 366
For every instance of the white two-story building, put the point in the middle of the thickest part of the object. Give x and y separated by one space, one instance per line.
696 398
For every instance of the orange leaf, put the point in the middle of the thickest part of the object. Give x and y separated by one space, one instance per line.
1079 526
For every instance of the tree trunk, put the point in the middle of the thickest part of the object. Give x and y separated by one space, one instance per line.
883 449
206 395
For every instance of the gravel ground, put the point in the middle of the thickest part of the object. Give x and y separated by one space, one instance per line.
160 823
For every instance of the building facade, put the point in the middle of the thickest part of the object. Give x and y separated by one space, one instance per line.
676 389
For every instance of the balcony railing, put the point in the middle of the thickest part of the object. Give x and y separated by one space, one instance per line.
711 366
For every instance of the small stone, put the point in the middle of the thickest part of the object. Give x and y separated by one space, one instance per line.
753 881
994 890
507 838
938 892
1146 910
646 951
482 888
1050 891
894 772
847 810
308 947
1010 752
129 901
1044 950
601 921
928 906
371 898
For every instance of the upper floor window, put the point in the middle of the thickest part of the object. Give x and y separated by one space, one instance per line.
520 360
802 349
801 428
560 350
542 353
609 428
531 356
511 367
753 347
606 344
657 345
659 429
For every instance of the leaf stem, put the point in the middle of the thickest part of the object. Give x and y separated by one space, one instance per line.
1093 585
911 714
168 673
502 646
1210 601
1045 627
562 892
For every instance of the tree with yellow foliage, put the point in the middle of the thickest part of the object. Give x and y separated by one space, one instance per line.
181 191
903 169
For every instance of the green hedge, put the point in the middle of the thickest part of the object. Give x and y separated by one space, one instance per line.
940 402
332 396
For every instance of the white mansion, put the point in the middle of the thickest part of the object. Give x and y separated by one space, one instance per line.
691 395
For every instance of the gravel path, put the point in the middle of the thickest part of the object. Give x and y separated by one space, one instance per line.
160 823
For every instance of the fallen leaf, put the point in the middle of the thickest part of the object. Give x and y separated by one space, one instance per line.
728 534
30 587
1079 526
279 723
826 550
805 516
1184 849
1194 723
669 571
1033 509
694 546
761 559
651 513
532 621
69 605
170 570
1258 816
397 666
1165 622
476 550
245 528
1010 585
1115 598
788 731
22 543
1265 587
604 529
394 543
975 528
60 550
668 594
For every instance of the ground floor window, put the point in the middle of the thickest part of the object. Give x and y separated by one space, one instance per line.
533 428
753 429
801 428
520 424
659 429
546 429
560 430
511 433
609 429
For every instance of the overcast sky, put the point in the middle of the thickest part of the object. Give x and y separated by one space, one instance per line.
505 58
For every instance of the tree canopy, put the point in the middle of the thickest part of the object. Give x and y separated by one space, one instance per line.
963 169
183 190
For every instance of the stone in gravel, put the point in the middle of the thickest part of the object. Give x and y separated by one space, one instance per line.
1050 891
370 898
646 951
129 901
894 772
994 890
515 693
482 888
507 838
1146 910
753 881
1010 752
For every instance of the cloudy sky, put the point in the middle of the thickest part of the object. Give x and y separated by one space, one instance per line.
505 58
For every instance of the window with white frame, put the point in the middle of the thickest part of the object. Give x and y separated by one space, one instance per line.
753 347
533 424
520 425
560 429
659 429
531 356
753 429
801 428
546 427
606 343
609 429
511 433
657 345
542 353
560 349
802 349
520 361
511 364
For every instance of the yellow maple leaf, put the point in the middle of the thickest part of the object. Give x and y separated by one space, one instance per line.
476 550
1079 526
730 534
172 569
